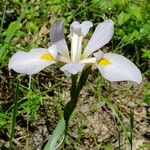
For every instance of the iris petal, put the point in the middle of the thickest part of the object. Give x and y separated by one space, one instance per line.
31 62
72 68
80 29
119 68
58 38
101 36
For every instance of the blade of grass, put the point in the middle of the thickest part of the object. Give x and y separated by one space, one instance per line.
119 140
116 113
131 128
2 21
28 110
74 15
121 44
14 116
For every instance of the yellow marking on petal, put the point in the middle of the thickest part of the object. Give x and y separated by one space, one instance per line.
47 57
104 61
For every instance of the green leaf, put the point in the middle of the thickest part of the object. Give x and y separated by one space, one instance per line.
108 147
131 36
146 53
146 29
11 31
136 11
14 25
55 137
32 26
20 33
16 1
123 17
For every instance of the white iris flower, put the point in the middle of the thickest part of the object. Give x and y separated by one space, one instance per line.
113 67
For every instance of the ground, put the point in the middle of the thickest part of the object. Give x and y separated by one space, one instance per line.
94 124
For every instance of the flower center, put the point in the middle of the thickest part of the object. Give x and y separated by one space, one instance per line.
46 57
104 61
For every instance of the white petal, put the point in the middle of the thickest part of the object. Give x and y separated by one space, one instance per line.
119 69
91 60
30 62
80 29
53 50
101 36
58 38
72 68
75 28
98 54
86 25
76 47
63 59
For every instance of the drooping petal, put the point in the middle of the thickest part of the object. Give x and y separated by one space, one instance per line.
114 67
101 36
58 38
72 68
31 62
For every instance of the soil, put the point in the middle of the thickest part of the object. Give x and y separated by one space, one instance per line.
94 124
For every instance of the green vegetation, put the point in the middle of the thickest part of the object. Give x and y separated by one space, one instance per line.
42 97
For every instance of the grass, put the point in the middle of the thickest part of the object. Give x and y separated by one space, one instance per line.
14 116
103 118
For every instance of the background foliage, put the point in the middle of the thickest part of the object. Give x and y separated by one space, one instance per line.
25 24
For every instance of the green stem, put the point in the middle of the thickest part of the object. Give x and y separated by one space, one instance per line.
14 115
75 92
72 103
62 126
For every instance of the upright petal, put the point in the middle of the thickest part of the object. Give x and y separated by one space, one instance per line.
58 38
31 62
58 57
75 28
115 67
76 47
86 25
78 31
101 36
72 68
53 50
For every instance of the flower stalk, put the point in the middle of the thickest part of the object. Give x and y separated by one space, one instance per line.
62 126
75 91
